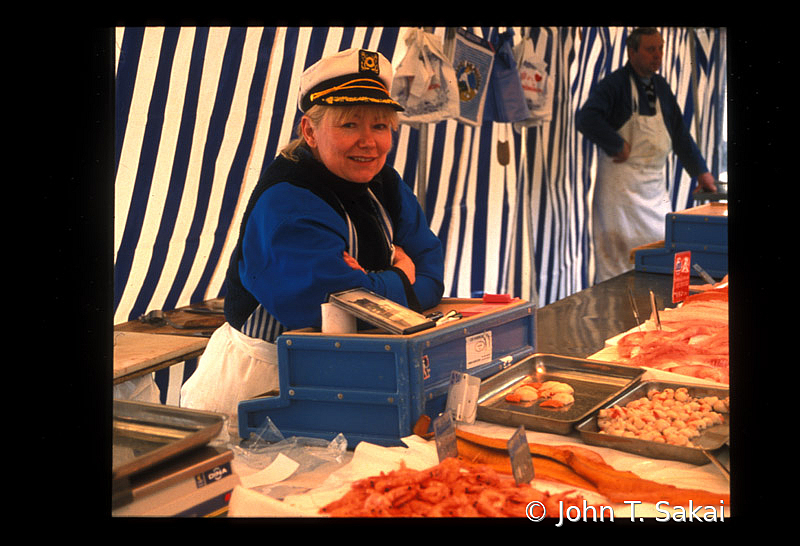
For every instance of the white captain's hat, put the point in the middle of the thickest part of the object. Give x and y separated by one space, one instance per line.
352 76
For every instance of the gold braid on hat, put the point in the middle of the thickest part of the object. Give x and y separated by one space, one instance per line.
376 85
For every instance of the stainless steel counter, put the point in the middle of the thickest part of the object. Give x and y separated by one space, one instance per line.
578 325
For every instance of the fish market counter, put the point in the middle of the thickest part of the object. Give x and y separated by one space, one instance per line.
580 324
625 482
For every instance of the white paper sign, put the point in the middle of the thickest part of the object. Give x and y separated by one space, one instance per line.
479 349
278 470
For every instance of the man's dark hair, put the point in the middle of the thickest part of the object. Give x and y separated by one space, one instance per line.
635 37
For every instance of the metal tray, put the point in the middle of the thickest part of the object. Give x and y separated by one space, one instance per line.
709 440
146 434
595 383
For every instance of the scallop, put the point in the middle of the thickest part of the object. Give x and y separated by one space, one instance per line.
553 387
527 393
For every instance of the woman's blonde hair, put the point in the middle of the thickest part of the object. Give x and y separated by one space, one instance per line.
317 113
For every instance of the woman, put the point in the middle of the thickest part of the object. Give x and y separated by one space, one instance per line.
327 215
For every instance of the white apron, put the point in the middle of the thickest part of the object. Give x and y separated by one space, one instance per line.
233 367
631 200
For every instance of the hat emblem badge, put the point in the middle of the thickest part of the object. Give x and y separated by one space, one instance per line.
368 62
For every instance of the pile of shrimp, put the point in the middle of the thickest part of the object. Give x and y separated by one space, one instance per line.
669 416
453 488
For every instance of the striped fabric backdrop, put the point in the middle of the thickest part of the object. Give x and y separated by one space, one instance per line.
201 111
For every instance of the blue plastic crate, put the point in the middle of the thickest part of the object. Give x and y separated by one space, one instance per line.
701 230
374 386
694 227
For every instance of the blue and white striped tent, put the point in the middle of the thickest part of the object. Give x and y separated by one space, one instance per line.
201 111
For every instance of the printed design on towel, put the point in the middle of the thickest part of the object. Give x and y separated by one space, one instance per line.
469 80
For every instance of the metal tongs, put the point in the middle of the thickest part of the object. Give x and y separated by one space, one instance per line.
654 315
708 442
635 310
706 277
717 463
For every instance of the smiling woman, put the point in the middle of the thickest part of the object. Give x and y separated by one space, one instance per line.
352 142
327 215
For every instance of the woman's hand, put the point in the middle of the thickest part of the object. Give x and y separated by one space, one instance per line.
401 262
349 260
404 264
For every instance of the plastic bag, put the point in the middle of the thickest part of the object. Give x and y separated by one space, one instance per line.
537 83
505 99
263 447
425 82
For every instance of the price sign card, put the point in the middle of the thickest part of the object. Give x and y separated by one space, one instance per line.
520 454
444 432
462 396
681 275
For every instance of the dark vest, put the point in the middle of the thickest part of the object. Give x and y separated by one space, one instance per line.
348 199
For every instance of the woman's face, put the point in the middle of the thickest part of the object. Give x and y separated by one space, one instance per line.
352 146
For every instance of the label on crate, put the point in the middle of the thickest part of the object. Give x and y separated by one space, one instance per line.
444 431
520 454
213 475
479 349
681 276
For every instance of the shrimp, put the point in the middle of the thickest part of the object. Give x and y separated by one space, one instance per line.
490 503
676 439
551 503
650 435
401 495
682 394
661 424
434 491
722 406
486 475
672 416
450 507
452 488
377 504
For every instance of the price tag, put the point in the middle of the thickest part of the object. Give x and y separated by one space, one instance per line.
520 454
462 396
445 436
681 274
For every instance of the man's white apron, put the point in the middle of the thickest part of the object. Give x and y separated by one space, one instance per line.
630 198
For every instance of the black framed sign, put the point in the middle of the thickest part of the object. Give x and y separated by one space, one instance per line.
380 311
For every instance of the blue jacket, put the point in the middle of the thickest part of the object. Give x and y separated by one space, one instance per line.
609 107
293 236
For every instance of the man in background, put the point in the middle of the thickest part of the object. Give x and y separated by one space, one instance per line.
634 119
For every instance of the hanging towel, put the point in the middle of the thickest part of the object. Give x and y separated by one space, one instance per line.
505 99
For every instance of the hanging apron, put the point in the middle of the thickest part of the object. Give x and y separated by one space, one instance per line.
233 367
631 200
